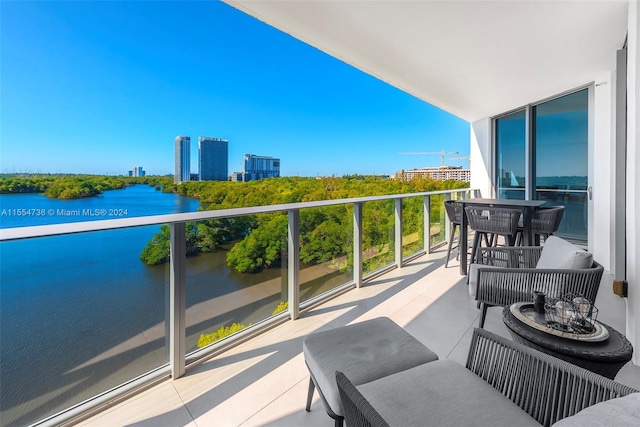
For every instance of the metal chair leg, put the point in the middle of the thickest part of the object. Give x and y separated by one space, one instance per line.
453 233
483 315
312 387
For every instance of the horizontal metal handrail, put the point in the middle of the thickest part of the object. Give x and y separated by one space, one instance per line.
17 233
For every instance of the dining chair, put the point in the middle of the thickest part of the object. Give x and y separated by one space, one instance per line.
544 222
454 213
492 221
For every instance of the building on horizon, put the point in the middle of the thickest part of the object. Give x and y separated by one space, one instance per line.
182 159
213 159
137 171
236 176
442 173
259 167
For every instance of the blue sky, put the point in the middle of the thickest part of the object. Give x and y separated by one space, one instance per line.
100 87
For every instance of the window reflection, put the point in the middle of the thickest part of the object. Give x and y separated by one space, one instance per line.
510 153
561 167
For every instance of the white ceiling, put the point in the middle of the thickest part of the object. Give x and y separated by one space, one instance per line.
473 58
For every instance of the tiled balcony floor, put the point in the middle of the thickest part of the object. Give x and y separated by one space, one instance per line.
264 381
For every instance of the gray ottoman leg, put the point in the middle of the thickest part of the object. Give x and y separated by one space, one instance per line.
312 386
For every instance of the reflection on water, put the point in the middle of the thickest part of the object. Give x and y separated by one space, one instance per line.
80 314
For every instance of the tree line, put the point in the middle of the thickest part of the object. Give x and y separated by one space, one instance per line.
326 233
65 187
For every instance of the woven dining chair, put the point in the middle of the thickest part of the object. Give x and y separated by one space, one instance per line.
544 222
454 213
492 221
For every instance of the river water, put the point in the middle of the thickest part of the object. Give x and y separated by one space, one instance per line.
80 314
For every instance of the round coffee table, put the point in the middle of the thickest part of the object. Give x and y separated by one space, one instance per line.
605 357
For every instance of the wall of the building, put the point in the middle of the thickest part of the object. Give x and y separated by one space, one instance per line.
480 153
633 181
601 152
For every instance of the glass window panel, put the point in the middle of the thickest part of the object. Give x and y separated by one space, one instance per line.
510 156
561 167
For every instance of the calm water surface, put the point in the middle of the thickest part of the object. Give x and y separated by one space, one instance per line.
80 314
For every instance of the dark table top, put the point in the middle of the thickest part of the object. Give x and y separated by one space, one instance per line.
615 349
503 202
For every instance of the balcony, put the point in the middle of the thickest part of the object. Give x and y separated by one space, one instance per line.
264 381
256 376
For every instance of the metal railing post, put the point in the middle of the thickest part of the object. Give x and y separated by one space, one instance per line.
398 232
357 244
427 224
293 240
177 304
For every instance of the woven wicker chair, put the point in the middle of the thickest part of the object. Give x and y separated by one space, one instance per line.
454 213
546 388
490 221
506 275
544 222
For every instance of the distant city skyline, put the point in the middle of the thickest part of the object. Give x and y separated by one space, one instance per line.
88 86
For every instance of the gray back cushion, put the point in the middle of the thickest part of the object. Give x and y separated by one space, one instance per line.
557 253
623 411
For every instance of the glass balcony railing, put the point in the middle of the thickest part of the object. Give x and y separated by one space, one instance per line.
83 325
75 328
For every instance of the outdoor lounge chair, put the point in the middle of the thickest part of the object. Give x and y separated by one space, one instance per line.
505 275
504 383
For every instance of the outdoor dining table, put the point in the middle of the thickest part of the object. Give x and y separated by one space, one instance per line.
525 206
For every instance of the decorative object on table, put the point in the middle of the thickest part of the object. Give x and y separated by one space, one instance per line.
539 301
572 313
560 321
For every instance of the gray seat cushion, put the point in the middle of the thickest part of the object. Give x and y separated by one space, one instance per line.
364 351
560 254
442 393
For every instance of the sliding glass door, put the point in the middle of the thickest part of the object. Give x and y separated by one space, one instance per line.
510 159
556 169
560 151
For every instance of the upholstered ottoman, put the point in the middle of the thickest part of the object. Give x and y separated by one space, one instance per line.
364 351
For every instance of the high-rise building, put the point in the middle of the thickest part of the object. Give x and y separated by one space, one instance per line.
137 171
259 167
183 159
213 159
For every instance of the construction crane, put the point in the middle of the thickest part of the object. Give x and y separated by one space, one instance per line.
428 153
462 158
